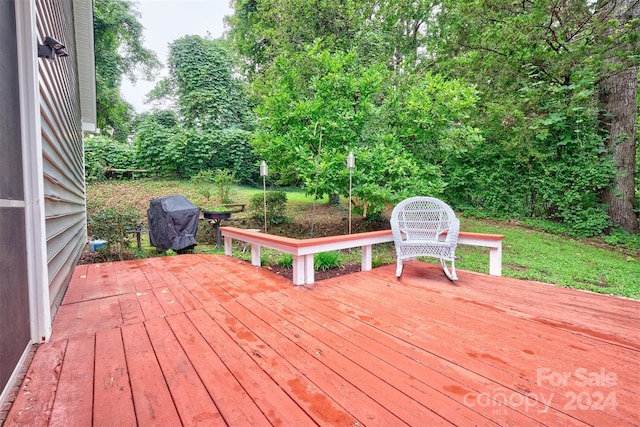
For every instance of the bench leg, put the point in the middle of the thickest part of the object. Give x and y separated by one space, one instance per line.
298 270
366 258
255 254
309 271
495 261
227 245
303 273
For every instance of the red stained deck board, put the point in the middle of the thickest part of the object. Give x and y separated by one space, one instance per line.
415 372
87 317
113 402
131 276
330 388
235 404
203 296
151 307
101 282
263 351
151 396
190 396
492 358
532 299
158 278
489 358
536 342
467 314
65 322
265 392
170 304
73 405
398 389
214 288
443 374
130 309
34 402
177 269
126 276
188 301
76 285
237 281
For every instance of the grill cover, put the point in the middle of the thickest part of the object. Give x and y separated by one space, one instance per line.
173 223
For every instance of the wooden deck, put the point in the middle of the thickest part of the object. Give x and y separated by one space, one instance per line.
209 340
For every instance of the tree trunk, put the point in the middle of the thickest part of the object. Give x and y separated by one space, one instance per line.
619 102
618 97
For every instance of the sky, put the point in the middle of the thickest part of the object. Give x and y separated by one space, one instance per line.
167 20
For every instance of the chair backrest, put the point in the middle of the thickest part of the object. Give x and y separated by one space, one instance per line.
421 218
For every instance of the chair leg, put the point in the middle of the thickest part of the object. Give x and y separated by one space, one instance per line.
399 267
451 275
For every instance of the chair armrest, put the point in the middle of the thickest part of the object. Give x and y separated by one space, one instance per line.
453 232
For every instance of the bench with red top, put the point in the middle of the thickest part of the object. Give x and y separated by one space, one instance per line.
304 249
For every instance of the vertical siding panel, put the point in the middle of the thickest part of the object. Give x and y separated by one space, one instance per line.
62 149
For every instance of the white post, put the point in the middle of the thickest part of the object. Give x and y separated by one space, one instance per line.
264 171
366 262
495 260
351 163
228 245
255 254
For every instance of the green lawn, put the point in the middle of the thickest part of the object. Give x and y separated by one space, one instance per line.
549 258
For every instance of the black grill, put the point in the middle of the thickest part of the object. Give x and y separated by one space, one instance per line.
173 223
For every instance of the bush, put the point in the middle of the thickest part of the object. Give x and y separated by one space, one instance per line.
203 181
276 206
285 261
327 260
101 152
619 237
223 181
111 224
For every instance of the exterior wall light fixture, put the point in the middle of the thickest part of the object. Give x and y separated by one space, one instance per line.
51 48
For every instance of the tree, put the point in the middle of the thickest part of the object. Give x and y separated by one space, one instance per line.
262 30
538 66
119 51
212 108
317 106
202 85
618 93
385 32
158 143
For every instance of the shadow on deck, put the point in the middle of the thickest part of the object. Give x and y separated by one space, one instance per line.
210 340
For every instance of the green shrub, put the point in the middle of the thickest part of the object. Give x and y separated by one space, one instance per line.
102 152
285 261
276 206
327 260
111 224
381 256
203 182
619 237
223 182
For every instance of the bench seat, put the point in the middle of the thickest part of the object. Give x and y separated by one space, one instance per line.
304 249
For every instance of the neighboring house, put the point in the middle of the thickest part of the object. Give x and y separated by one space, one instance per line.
45 105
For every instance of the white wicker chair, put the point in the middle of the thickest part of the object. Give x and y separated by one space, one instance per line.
419 225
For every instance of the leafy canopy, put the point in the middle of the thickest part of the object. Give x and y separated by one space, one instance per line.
119 52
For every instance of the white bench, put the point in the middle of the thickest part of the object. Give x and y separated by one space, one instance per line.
304 249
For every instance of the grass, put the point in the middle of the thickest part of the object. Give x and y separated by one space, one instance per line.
555 259
588 264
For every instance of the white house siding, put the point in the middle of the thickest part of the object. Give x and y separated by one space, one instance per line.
62 149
